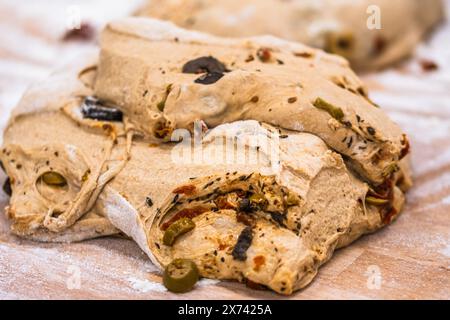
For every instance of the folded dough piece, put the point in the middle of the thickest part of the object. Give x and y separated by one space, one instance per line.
310 205
149 68
41 139
343 27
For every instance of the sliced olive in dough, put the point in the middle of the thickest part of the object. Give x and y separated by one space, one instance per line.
292 199
258 199
334 111
180 275
376 201
340 43
54 179
177 229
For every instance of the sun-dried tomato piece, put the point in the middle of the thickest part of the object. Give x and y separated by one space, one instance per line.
190 213
187 190
389 215
379 45
406 148
258 262
264 54
428 65
245 219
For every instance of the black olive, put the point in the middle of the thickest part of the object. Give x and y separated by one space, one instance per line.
245 206
204 65
348 124
95 109
7 187
350 142
278 218
149 202
209 78
244 242
2 166
371 131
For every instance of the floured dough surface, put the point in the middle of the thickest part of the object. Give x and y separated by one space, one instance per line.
119 176
338 26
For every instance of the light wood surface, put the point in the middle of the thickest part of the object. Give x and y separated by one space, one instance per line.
407 260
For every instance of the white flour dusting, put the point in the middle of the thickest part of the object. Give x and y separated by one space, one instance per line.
207 282
144 285
431 187
437 162
446 251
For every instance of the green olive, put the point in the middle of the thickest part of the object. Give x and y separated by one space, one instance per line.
390 170
340 43
257 199
176 229
180 275
54 179
292 199
376 201
162 104
86 176
334 111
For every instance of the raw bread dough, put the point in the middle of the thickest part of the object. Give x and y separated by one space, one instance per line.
120 177
338 26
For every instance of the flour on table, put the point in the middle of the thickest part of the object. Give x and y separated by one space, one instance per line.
446 251
144 285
